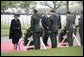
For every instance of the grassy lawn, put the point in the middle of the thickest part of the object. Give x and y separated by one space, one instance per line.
5 32
5 29
6 26
66 51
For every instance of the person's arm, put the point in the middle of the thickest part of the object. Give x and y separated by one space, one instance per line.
59 22
67 23
19 27
49 24
32 23
10 30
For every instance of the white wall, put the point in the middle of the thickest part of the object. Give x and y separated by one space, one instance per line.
6 19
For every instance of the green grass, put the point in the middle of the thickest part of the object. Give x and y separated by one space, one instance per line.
5 29
6 26
67 51
5 32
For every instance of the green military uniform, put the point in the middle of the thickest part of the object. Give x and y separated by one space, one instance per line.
53 21
81 29
69 27
35 27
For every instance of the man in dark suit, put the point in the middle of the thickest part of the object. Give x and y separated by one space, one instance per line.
53 28
35 27
44 21
70 20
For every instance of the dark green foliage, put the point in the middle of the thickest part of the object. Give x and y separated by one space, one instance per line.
28 34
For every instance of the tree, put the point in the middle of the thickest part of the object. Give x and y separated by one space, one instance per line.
55 4
27 4
4 5
80 2
8 4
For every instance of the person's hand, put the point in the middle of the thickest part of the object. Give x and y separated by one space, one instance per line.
49 31
67 31
58 26
47 27
74 27
18 27
62 31
31 31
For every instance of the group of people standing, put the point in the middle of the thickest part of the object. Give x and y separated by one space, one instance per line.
51 26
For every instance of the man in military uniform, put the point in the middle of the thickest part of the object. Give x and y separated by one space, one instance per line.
44 21
35 27
80 25
81 28
53 28
70 20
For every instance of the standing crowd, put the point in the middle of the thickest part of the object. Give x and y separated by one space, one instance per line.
51 26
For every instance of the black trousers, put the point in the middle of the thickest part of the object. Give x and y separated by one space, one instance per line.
45 37
81 36
36 39
70 38
53 38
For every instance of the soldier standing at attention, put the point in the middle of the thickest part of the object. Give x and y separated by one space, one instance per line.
80 25
53 28
35 27
69 27
81 28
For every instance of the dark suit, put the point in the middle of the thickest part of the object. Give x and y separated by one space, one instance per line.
35 27
45 22
69 27
81 29
53 21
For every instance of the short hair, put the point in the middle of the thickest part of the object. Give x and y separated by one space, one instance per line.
35 11
68 12
17 15
52 11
